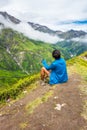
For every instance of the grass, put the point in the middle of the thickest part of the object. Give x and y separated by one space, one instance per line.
28 89
23 125
8 78
79 65
75 65
16 89
34 104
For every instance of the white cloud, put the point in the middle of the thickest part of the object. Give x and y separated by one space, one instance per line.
69 26
4 3
48 12
27 30
81 39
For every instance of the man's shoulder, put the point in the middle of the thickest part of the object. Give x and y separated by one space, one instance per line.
62 59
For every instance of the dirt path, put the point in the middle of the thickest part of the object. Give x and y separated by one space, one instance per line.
62 111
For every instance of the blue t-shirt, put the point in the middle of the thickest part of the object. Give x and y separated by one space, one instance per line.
58 72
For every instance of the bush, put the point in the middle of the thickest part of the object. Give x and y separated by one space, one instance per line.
17 88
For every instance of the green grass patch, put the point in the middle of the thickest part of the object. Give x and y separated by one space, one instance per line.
16 89
23 125
27 90
79 65
8 78
31 106
82 70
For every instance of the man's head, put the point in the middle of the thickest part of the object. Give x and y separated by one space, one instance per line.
56 54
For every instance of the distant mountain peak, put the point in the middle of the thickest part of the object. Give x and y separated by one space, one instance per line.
43 28
11 18
76 31
72 34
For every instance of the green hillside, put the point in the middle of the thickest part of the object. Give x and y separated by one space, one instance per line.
79 65
74 48
21 56
20 60
75 65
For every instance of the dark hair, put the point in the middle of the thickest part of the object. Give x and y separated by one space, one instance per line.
56 54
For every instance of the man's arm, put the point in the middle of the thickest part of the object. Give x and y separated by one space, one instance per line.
48 67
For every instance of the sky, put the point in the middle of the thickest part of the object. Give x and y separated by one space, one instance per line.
56 14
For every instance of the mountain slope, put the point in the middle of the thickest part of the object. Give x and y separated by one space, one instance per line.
73 47
9 17
21 56
17 50
72 34
72 41
42 28
64 35
45 107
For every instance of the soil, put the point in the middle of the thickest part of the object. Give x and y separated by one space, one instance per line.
67 116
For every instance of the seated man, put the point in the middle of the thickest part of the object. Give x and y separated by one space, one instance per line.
57 71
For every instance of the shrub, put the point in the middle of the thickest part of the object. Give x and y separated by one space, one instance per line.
17 88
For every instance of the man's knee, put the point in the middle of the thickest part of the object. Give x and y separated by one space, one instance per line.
43 68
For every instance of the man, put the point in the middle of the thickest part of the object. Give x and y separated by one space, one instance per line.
57 71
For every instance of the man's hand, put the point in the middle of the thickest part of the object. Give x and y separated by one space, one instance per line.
43 61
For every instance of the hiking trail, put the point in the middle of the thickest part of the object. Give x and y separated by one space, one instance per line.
57 107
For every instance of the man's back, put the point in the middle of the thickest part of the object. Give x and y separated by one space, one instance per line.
58 72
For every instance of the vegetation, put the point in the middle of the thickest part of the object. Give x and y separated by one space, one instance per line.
74 48
14 90
79 65
31 106
20 58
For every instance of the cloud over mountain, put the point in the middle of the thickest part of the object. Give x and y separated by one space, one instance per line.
52 13
81 39
27 30
40 32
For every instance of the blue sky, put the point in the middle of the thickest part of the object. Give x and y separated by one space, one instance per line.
81 22
56 14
